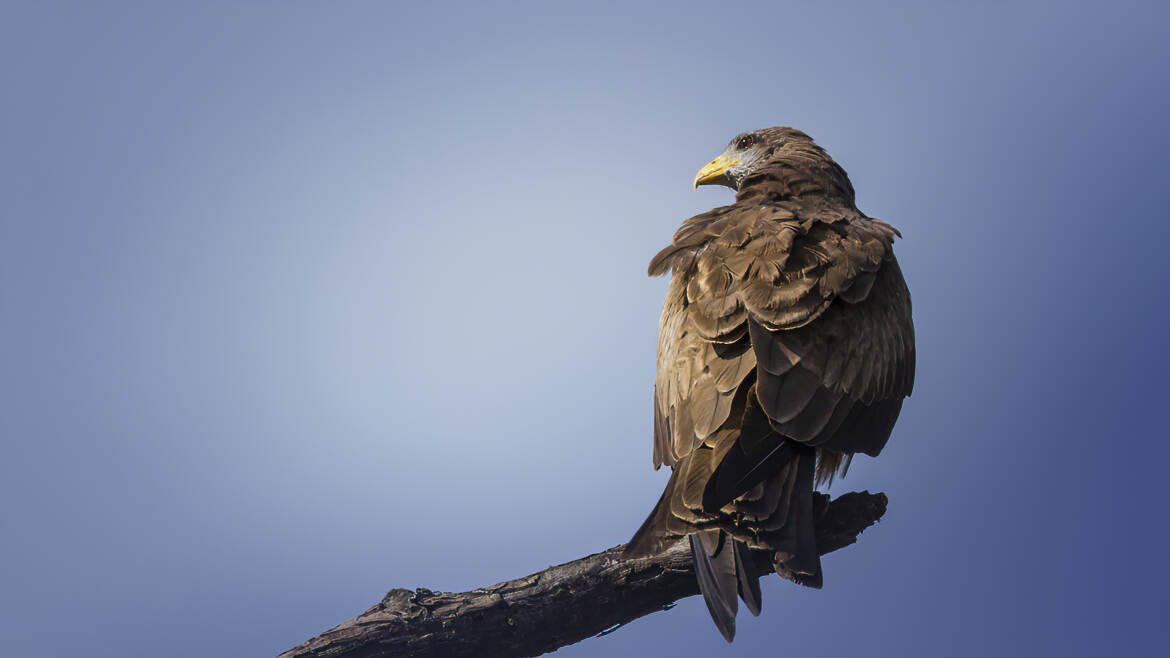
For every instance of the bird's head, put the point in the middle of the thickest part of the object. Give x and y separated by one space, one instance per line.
780 162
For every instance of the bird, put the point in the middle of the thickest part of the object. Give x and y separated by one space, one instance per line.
785 347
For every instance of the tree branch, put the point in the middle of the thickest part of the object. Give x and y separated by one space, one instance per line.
561 605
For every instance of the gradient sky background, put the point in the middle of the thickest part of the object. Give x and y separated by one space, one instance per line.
302 302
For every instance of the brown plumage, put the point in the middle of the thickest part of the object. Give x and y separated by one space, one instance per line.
786 345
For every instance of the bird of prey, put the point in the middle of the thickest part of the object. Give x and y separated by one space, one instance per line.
786 345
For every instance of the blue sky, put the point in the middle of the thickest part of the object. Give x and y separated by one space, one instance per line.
301 302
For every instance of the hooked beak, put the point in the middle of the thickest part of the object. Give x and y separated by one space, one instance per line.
715 171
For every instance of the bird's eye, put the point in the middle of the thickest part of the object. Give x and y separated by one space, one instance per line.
745 142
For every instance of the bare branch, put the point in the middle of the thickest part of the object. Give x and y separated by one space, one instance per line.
561 605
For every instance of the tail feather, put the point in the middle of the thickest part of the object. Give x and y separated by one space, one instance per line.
715 567
778 517
749 579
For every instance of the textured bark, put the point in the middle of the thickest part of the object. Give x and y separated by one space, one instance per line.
561 605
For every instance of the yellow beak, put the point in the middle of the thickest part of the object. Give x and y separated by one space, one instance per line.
714 172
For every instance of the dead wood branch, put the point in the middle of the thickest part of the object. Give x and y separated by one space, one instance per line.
561 605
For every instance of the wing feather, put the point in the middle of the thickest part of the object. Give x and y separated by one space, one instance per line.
812 302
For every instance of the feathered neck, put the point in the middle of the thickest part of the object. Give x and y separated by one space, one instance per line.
802 175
